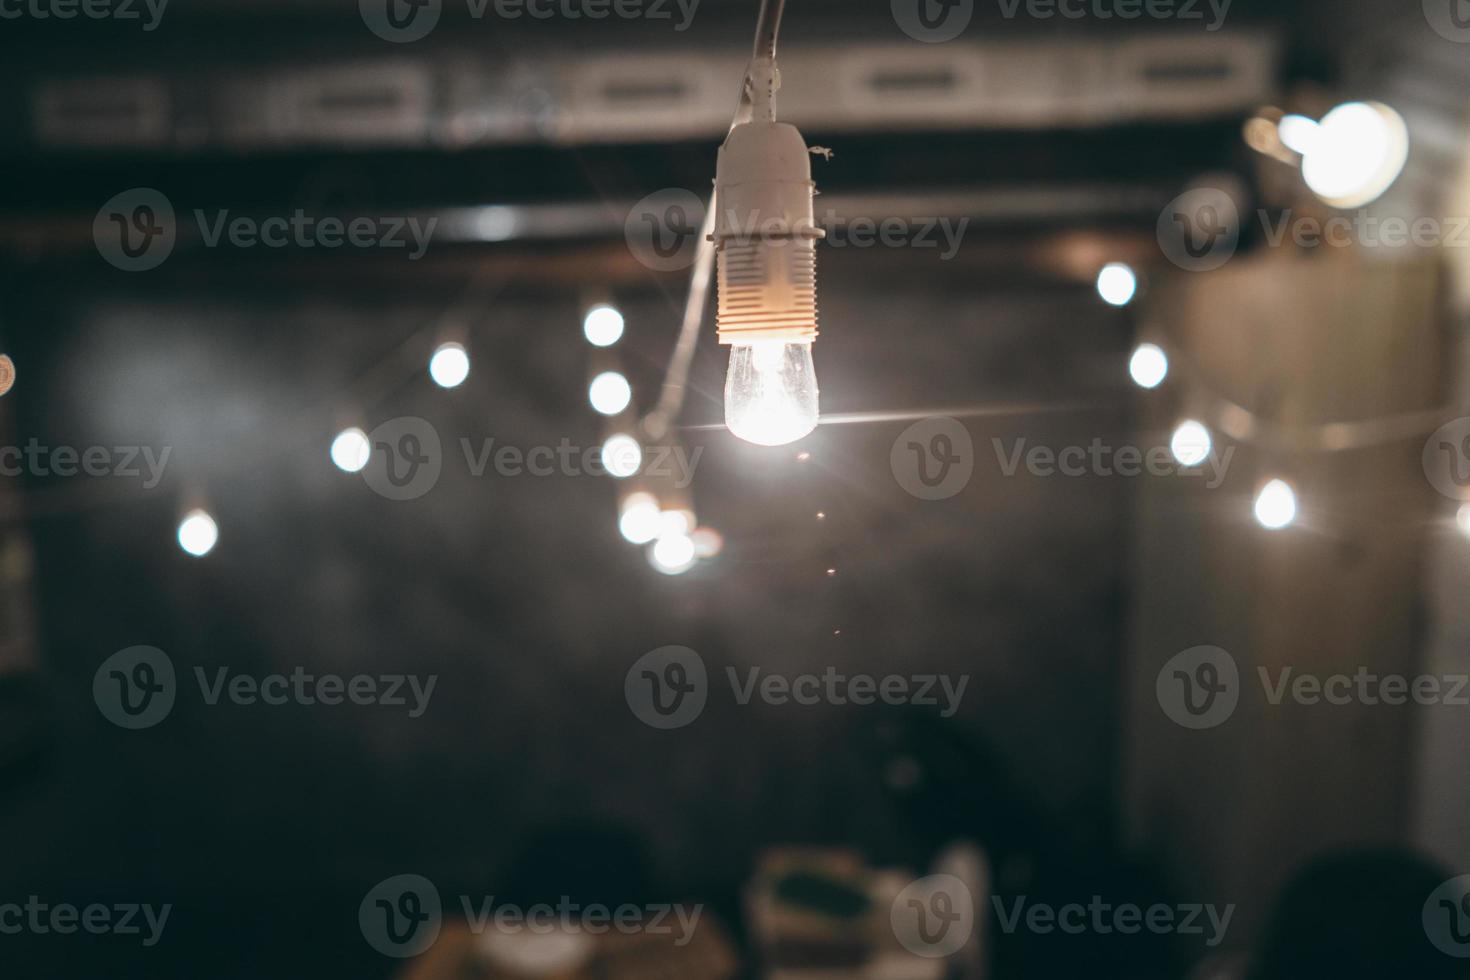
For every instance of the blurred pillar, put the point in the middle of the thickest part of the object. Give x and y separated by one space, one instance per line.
1301 340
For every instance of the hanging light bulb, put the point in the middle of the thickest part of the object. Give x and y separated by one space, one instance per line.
1276 505
1117 283
450 365
1148 366
1191 443
765 241
198 533
641 518
350 450
603 325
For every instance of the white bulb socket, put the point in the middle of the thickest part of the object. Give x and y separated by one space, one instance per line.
765 236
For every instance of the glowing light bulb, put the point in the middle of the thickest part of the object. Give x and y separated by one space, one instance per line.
771 392
1357 152
450 365
1117 284
1149 366
673 554
610 393
350 450
1191 443
641 520
198 533
1297 133
1276 505
622 456
603 326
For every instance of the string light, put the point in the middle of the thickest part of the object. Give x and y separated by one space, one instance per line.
641 518
1117 284
1356 153
622 457
450 365
1191 443
198 533
350 450
1276 505
1148 366
610 393
602 326
1297 133
673 554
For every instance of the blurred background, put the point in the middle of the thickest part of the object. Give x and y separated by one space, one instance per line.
1102 227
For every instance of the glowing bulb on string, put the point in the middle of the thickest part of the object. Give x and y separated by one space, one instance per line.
1117 284
1148 366
1276 505
350 450
1191 443
602 326
610 393
622 457
641 519
673 554
198 533
450 365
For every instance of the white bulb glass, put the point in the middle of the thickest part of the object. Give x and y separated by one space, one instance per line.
771 392
1148 366
198 533
1117 284
449 366
1297 133
1276 505
610 393
350 450
603 326
1191 443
